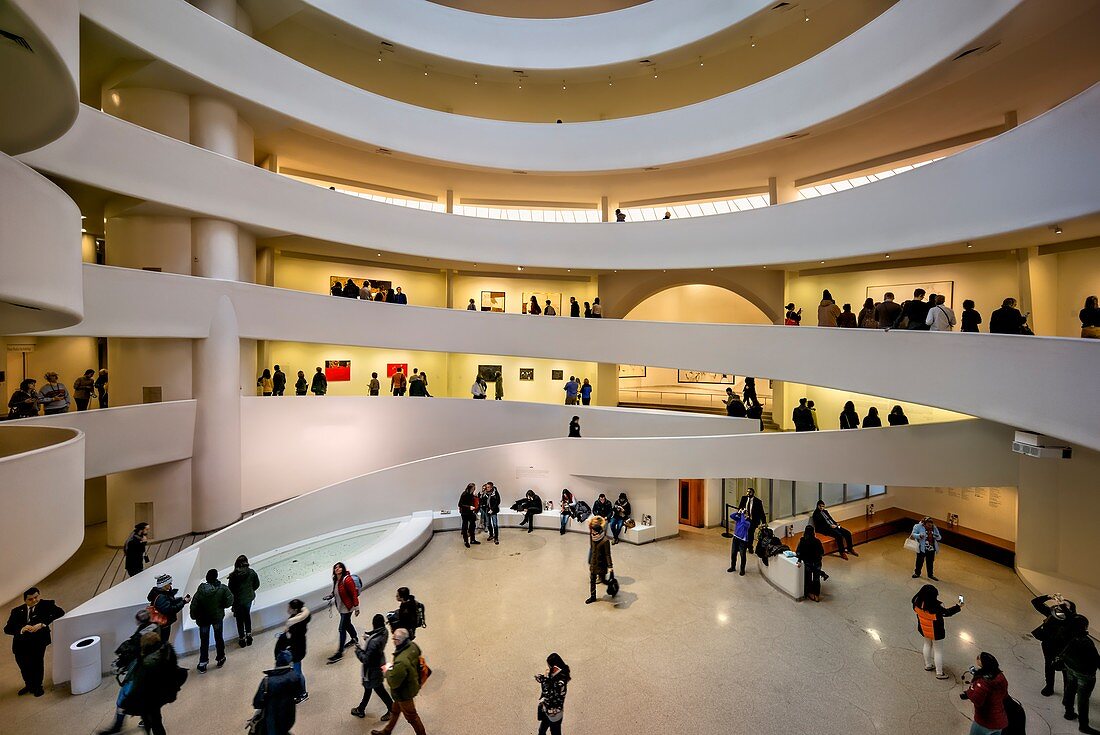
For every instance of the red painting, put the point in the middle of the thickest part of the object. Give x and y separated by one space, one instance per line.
337 371
393 367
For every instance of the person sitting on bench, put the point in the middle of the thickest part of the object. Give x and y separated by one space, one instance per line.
823 523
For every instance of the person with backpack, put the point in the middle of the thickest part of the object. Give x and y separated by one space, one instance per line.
164 606
319 386
988 691
208 611
345 596
404 677
293 639
1080 661
554 684
126 657
373 657
276 699
1054 632
154 681
243 583
467 509
409 613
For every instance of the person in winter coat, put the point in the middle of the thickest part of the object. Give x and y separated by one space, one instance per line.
824 523
849 419
345 596
492 511
928 543
133 551
243 583
739 527
827 310
1080 662
566 508
208 608
602 507
866 318
467 508
801 416
554 684
407 614
734 406
163 598
24 402
930 614
846 318
300 385
599 559
1007 319
532 507
872 420
897 417
575 428
498 386
913 312
373 657
403 679
792 318
810 552
293 639
987 692
479 388
154 682
1053 633
319 386
278 382
126 657
618 518
276 699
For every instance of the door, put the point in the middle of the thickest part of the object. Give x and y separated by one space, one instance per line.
691 503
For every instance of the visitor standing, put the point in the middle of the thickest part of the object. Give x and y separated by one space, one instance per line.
599 557
872 419
208 607
792 318
586 393
970 317
319 386
849 419
293 639
1053 634
575 428
134 550
1090 319
278 382
29 627
846 318
345 596
554 684
940 316
827 310
400 297
471 306
53 396
1007 319
574 307
479 388
754 510
930 614
887 311
988 691
300 385
101 388
373 387
398 382
739 528
1081 662
492 519
533 307
373 657
467 509
801 416
165 605
587 310
809 553
499 386
243 583
597 308
866 318
265 383
24 402
913 312
549 309
276 699
897 417
927 537
408 614
572 390
84 390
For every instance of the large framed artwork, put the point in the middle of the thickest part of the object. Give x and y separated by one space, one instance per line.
338 371
699 376
542 296
373 284
631 371
904 291
492 301
393 367
489 373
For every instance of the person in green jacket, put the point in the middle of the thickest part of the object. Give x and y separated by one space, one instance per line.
243 583
319 387
208 610
403 679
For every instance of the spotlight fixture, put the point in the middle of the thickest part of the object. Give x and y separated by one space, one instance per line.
823 262
888 255
654 71
765 267
806 16
475 80
379 255
1057 229
563 85
83 230
425 71
700 61
969 245
519 267
83 217
609 81
752 42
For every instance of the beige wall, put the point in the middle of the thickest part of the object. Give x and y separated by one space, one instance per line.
1078 277
136 363
621 293
542 389
828 404
991 510
469 286
422 288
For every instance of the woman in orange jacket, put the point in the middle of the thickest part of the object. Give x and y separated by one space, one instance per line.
930 614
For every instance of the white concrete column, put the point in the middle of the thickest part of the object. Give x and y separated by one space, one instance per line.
216 254
214 125
216 461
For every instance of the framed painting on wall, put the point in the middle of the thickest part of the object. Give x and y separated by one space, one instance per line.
557 375
699 376
541 297
526 373
631 371
337 371
904 291
393 367
492 301
489 373
375 286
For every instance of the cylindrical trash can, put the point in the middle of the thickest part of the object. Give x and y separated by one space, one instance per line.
85 667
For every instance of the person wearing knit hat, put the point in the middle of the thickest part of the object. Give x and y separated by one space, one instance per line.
165 605
599 558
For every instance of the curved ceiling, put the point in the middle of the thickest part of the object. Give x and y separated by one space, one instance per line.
903 43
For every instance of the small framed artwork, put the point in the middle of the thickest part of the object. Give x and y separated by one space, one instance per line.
492 301
557 375
393 367
631 371
526 373
699 376
337 371
489 373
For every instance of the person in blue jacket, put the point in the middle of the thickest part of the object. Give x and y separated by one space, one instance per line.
740 527
928 541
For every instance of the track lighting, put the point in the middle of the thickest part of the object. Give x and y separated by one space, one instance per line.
700 61
969 245
609 81
425 71
563 85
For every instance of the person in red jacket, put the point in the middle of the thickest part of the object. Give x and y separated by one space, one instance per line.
987 692
345 595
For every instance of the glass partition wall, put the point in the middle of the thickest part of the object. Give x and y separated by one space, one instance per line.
788 498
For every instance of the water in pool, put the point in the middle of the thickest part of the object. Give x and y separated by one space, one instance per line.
312 558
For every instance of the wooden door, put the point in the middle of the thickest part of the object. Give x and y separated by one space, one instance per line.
691 503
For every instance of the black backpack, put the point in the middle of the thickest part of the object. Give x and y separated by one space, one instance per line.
581 511
421 619
1017 718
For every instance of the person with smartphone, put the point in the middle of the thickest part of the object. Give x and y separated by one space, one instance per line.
930 615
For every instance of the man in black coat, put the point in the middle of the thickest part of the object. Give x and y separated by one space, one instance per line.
278 694
278 382
802 417
602 507
133 551
373 657
1054 632
823 522
29 626
754 508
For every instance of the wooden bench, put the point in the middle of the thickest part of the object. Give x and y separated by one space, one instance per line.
898 520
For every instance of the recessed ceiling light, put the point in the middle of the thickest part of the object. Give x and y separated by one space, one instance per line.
806 16
475 80
1057 229
969 245
83 230
888 255
563 84
752 42
712 270
700 61
425 71
609 81
765 267
519 267
379 255
823 262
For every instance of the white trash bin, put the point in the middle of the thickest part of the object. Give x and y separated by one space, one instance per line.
86 669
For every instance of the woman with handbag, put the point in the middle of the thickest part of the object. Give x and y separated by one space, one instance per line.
930 614
925 542
554 683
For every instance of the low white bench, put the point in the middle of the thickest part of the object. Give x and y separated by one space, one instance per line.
548 520
784 574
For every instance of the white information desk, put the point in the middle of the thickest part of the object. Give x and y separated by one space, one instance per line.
784 574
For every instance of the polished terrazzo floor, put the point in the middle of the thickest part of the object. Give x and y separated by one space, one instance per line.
686 647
